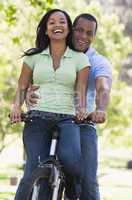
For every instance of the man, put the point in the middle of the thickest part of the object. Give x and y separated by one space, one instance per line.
99 85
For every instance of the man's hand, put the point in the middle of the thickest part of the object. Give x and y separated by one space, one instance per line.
103 88
98 116
31 97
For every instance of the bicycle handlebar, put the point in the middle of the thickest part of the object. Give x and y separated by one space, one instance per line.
25 117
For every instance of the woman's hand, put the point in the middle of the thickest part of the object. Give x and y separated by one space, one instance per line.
15 114
81 113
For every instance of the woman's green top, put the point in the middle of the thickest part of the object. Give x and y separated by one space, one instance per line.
56 86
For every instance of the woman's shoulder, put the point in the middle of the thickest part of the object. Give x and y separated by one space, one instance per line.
30 60
31 56
33 52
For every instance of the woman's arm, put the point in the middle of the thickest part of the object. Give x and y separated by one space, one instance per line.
81 91
23 83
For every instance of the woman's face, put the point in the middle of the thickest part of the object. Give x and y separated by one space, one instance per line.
57 26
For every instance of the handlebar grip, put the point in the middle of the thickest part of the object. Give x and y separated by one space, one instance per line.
87 120
24 117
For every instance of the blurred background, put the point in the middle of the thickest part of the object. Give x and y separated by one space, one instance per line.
18 22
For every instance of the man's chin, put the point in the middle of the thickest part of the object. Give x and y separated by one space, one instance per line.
80 49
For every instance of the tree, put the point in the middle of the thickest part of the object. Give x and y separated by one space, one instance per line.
112 43
18 20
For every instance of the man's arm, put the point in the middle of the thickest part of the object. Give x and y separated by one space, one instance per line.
103 88
31 96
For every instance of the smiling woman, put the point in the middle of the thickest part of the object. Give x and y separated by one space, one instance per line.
61 74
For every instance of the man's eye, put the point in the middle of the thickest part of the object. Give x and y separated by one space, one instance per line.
89 33
79 30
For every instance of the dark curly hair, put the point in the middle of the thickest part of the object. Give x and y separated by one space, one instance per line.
42 39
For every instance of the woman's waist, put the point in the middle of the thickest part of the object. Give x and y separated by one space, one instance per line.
56 109
55 99
55 91
49 115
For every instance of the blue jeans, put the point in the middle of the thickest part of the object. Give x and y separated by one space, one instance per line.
37 143
90 189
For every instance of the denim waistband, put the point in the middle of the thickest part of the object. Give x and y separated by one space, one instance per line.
48 115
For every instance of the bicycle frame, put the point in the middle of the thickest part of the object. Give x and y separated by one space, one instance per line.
51 168
53 163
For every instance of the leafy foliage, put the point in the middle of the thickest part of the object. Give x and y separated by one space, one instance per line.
110 42
18 25
19 20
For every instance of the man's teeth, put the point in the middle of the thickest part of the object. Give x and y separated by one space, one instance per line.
81 42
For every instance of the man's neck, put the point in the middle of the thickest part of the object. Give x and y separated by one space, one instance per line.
86 50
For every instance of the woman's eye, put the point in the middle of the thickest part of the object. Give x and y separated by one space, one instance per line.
62 22
50 23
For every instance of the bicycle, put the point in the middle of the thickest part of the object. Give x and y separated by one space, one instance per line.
50 169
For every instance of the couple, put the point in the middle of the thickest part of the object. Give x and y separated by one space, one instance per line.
58 67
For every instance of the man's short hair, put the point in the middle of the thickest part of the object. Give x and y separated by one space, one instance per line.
86 16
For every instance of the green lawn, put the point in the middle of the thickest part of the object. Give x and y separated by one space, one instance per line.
7 191
6 195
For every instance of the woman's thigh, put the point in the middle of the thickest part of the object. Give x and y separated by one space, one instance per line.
36 143
69 150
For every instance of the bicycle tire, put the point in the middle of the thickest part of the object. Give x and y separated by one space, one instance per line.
41 173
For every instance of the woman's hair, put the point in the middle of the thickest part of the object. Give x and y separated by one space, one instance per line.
42 39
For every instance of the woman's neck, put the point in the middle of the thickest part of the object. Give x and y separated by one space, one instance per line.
57 48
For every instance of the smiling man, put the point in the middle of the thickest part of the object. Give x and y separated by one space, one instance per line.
99 86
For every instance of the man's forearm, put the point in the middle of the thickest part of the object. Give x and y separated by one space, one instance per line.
103 88
102 99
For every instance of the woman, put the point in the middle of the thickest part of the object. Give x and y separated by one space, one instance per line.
62 74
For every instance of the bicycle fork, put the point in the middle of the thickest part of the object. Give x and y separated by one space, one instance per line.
57 175
35 192
56 184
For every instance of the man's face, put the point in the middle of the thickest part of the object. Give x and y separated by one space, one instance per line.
83 34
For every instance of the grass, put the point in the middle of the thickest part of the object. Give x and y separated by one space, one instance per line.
114 177
6 195
3 177
7 191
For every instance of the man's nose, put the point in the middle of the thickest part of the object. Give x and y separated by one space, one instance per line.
84 35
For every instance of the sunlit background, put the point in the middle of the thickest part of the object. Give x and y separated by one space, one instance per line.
18 22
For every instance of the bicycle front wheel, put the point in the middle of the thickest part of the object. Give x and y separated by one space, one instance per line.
32 188
40 175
